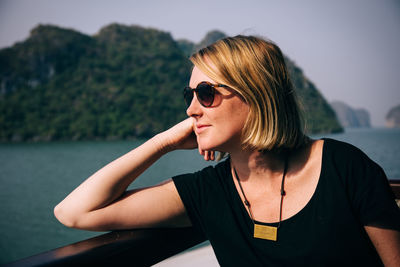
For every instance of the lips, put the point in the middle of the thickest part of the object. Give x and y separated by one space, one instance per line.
201 128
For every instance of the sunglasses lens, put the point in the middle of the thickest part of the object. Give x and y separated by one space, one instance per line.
205 94
188 95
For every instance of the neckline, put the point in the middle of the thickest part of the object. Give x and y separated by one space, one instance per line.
238 200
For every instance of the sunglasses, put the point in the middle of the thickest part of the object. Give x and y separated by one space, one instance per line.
205 92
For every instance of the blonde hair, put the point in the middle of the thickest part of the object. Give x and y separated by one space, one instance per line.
256 70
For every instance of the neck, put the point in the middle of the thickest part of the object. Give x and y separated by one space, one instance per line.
255 165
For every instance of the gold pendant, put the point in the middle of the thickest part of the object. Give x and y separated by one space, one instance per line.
265 232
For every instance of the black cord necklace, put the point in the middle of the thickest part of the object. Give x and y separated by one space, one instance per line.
265 231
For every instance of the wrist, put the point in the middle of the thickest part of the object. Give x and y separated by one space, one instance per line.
161 143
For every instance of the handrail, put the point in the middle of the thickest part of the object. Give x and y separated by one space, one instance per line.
395 184
139 247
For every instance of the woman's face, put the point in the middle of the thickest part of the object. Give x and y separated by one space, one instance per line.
218 127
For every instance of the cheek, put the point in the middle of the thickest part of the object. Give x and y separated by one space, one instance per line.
233 123
238 116
227 128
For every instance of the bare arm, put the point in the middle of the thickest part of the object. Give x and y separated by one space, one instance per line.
387 244
101 203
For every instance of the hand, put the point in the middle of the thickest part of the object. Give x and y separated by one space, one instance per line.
182 136
208 155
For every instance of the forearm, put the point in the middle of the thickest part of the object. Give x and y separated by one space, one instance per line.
110 182
387 244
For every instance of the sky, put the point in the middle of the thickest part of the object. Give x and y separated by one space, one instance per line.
347 48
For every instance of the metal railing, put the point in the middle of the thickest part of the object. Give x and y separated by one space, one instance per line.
139 247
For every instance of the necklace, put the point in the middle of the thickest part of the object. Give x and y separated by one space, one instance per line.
265 231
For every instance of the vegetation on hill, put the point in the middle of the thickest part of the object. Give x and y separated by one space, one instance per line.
318 114
123 82
60 84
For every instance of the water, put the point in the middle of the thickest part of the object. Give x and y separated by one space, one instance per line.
380 144
35 177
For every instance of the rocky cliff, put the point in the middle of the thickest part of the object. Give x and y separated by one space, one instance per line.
393 117
350 117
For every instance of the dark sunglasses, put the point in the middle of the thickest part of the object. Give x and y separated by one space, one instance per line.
205 92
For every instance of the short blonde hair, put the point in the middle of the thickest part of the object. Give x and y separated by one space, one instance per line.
255 68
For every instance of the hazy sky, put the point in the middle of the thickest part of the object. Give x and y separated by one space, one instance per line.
348 48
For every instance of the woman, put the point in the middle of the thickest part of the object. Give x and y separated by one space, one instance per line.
279 198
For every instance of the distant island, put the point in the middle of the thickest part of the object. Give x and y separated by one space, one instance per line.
393 117
123 82
350 117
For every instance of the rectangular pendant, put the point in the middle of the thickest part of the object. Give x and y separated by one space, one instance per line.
265 232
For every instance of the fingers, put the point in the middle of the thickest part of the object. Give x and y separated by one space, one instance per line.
211 155
208 155
180 136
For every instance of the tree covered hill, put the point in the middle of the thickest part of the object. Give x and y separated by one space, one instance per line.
60 84
125 81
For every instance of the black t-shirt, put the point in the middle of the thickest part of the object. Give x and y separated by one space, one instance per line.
352 191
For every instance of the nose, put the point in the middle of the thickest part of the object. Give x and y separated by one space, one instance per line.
195 108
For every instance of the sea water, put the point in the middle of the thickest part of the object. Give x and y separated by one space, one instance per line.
36 176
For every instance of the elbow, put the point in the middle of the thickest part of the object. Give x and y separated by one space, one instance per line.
72 219
64 217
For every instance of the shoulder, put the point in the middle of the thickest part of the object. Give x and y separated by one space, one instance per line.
219 169
208 176
364 181
203 190
351 165
336 146
345 154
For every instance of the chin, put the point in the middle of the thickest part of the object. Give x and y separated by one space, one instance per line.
210 144
207 144
207 147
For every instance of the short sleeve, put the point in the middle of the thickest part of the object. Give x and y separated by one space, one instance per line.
370 192
192 189
185 185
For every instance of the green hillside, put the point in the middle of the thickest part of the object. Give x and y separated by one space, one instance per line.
123 82
319 115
